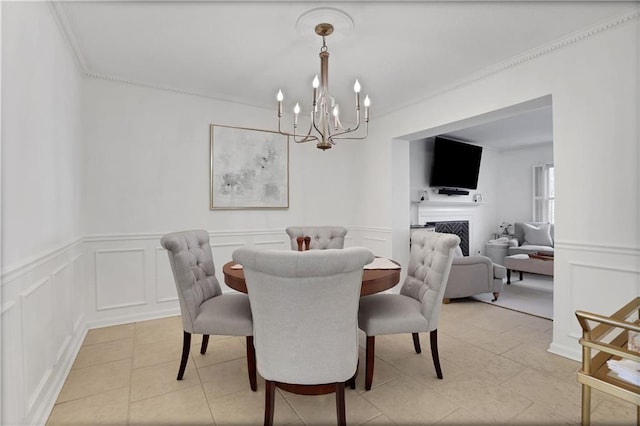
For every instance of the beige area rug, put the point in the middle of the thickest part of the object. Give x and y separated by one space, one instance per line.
533 295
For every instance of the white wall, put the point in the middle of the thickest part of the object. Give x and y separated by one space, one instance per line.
147 166
42 294
420 157
593 78
515 181
40 135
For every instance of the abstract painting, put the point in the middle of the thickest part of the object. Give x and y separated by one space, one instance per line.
249 168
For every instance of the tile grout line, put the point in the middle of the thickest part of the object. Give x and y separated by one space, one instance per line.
206 397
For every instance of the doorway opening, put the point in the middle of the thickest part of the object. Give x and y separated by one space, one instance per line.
515 184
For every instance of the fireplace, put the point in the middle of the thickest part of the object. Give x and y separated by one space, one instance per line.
457 227
453 217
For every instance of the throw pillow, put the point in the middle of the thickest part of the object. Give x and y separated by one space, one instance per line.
457 252
537 235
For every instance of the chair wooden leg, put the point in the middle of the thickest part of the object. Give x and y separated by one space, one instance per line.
269 402
446 300
495 296
340 406
371 347
251 363
434 352
205 343
352 380
186 344
416 342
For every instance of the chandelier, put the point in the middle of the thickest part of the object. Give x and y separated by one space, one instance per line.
325 126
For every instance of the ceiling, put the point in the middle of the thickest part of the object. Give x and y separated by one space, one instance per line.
245 51
531 127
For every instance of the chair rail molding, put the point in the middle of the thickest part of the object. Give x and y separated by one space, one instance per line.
596 247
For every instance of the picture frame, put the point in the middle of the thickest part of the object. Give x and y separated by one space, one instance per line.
248 168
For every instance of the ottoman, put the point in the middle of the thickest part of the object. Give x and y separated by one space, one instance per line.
523 263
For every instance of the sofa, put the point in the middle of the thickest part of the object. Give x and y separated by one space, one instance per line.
531 237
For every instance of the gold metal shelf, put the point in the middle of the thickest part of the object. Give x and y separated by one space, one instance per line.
595 372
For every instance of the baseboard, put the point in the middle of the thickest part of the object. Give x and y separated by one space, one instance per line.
566 351
127 319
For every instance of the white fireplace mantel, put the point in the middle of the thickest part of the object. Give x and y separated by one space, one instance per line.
437 211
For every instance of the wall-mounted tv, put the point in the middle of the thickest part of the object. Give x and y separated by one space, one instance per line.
455 164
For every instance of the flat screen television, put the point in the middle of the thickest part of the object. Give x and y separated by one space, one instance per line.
455 164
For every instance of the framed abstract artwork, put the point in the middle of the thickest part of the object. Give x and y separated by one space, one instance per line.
249 168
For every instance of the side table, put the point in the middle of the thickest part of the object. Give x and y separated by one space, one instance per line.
595 373
497 251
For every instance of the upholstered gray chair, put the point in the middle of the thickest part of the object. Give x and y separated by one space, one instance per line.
417 308
321 237
471 275
305 312
203 307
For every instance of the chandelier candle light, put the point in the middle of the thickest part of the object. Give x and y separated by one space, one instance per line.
325 112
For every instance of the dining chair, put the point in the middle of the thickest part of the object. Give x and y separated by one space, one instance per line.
417 308
320 237
203 307
305 311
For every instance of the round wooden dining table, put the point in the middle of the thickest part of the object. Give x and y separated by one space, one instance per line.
373 280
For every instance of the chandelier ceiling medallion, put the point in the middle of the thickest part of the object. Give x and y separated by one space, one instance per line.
325 125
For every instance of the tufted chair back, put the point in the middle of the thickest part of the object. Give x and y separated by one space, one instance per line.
322 237
428 271
193 270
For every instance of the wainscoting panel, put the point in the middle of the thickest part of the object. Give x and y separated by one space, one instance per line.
593 278
13 395
37 310
62 280
165 284
610 286
375 244
42 329
130 278
78 294
120 278
378 240
100 281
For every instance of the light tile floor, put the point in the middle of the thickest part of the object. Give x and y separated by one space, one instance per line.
495 364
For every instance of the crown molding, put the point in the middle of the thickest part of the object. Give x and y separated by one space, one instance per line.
525 57
151 85
60 16
63 22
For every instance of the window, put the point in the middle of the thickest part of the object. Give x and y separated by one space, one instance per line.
543 193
